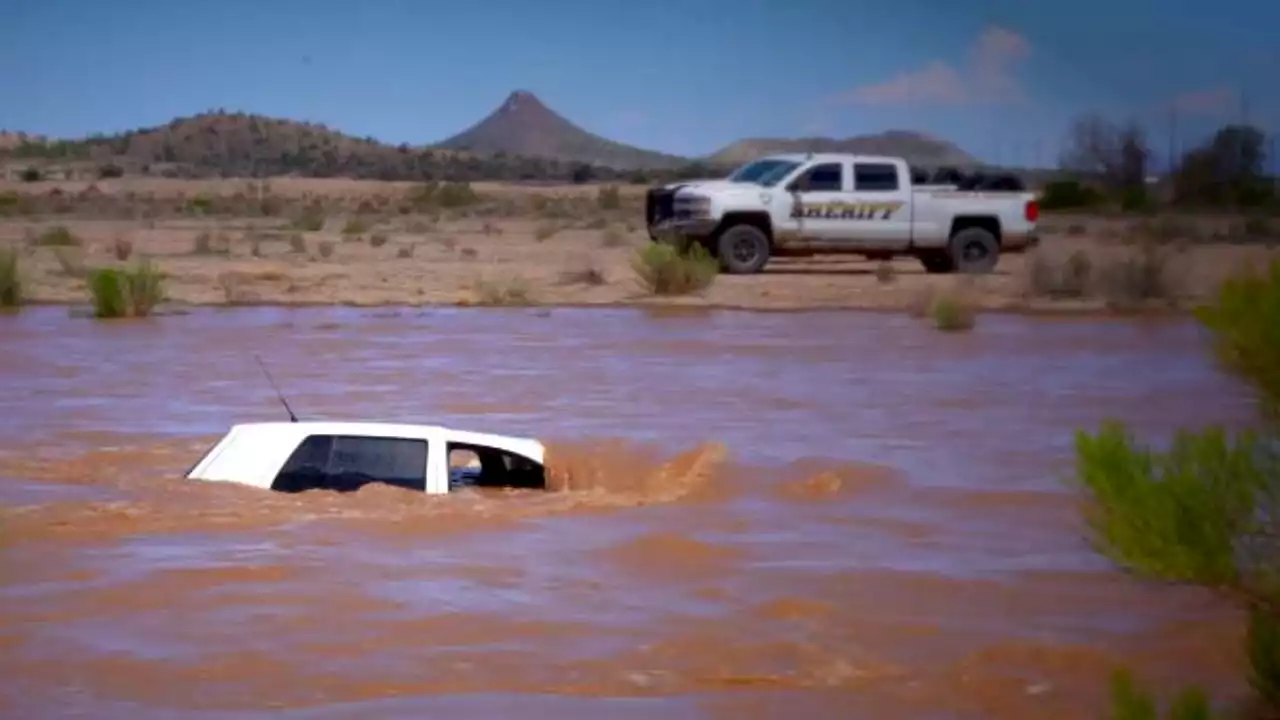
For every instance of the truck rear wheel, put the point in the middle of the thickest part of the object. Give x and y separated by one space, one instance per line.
742 250
974 250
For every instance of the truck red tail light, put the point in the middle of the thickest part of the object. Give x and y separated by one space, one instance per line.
1032 211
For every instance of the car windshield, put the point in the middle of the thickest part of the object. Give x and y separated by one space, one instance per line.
764 172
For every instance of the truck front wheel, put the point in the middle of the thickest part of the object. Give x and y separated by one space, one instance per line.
742 250
974 250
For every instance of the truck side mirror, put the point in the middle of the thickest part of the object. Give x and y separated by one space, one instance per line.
800 184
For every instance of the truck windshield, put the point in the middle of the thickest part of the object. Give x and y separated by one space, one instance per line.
764 172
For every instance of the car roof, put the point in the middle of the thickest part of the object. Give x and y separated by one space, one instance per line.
529 447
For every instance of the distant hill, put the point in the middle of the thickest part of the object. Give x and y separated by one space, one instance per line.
225 144
523 125
916 148
11 140
522 139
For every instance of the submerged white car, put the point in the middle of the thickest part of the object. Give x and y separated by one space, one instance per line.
345 456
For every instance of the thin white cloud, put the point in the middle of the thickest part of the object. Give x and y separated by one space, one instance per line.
1214 101
988 76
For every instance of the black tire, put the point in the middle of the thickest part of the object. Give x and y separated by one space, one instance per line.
937 262
974 250
742 250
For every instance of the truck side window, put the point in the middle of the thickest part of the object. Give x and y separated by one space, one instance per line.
875 177
828 177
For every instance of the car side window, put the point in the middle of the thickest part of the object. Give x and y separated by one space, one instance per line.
345 463
827 177
490 467
875 177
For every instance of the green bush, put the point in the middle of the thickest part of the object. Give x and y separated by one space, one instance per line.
1201 511
107 287
675 267
10 283
951 313
132 292
1069 195
1245 326
1130 702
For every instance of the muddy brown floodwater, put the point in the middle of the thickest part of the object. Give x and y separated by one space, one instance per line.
756 515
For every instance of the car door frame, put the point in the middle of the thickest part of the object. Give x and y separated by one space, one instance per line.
882 216
823 229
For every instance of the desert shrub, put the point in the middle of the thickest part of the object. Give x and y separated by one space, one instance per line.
199 205
1069 195
455 195
71 261
1138 277
107 288
309 221
545 231
612 237
1245 326
355 226
675 267
145 286
1136 200
502 291
609 198
377 240
1059 280
128 292
57 236
1202 511
122 248
952 313
434 195
1166 229
325 249
1258 228
885 273
588 273
10 204
1130 702
10 283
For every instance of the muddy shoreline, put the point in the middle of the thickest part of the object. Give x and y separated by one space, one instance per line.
693 306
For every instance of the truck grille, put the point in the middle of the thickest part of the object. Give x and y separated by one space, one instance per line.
659 205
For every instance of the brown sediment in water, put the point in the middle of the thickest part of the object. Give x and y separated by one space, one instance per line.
631 472
155 499
673 556
805 483
822 588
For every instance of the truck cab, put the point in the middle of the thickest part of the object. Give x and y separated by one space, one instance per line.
808 204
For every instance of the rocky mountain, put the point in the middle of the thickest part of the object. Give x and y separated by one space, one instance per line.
916 148
523 125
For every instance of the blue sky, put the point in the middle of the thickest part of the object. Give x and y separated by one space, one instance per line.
1002 78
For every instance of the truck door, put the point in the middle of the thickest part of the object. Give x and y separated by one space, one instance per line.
882 206
817 197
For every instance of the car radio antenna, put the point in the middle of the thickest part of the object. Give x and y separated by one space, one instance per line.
280 395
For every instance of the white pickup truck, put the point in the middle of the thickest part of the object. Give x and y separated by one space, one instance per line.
809 204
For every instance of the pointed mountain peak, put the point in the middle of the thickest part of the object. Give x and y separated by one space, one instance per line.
521 100
523 125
